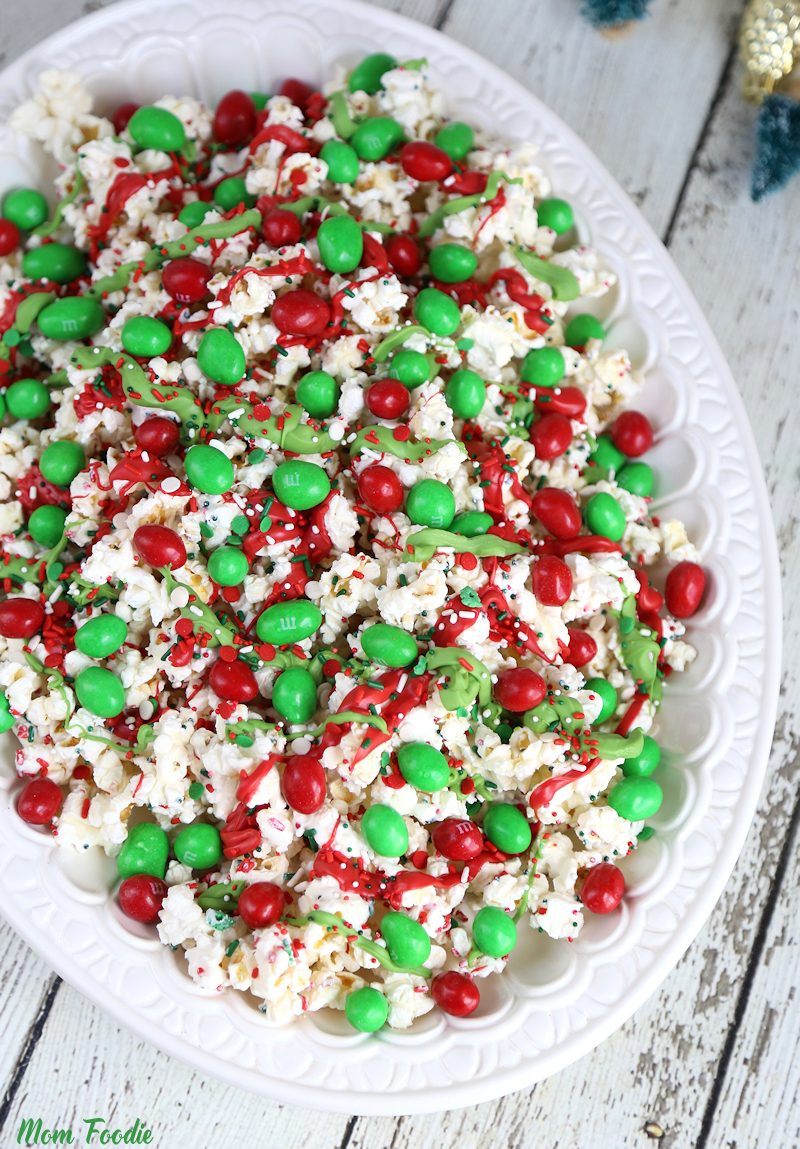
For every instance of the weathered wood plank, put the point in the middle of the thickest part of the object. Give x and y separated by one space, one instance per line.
638 101
24 985
87 1066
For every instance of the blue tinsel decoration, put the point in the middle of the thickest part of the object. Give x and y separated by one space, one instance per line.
778 145
608 13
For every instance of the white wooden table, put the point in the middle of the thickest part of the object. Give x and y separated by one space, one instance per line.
709 1061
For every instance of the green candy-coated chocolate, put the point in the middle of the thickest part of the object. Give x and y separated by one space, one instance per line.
342 160
294 695
423 766
375 137
367 76
606 455
7 719
604 516
637 478
431 503
209 469
28 399
636 798
46 525
389 645
145 337
411 368
385 831
231 192
465 393
58 262
472 523
74 317
192 214
144 851
286 623
608 697
507 828
100 692
341 243
198 846
452 262
455 138
26 208
581 329
494 932
228 566
157 128
543 366
366 1009
300 485
645 762
62 461
101 636
318 393
406 940
556 214
221 357
436 311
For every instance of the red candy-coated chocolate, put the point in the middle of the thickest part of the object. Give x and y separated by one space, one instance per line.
122 115
632 433
467 183
569 401
261 905
141 896
298 91
552 581
157 435
186 280
457 839
9 237
39 801
684 589
159 546
380 488
519 689
582 647
387 398
303 784
233 681
603 888
281 228
301 312
455 993
558 512
20 617
404 254
551 435
424 162
235 118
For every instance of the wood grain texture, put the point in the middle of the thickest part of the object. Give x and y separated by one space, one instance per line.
710 1059
639 100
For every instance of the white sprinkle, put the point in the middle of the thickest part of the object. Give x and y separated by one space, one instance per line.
170 485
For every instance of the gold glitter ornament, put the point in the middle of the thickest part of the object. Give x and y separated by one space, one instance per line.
769 45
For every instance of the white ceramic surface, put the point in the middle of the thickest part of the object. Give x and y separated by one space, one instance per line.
557 1001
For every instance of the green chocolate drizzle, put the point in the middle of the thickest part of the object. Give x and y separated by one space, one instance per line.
562 282
422 545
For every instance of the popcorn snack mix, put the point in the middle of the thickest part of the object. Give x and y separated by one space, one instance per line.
325 539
